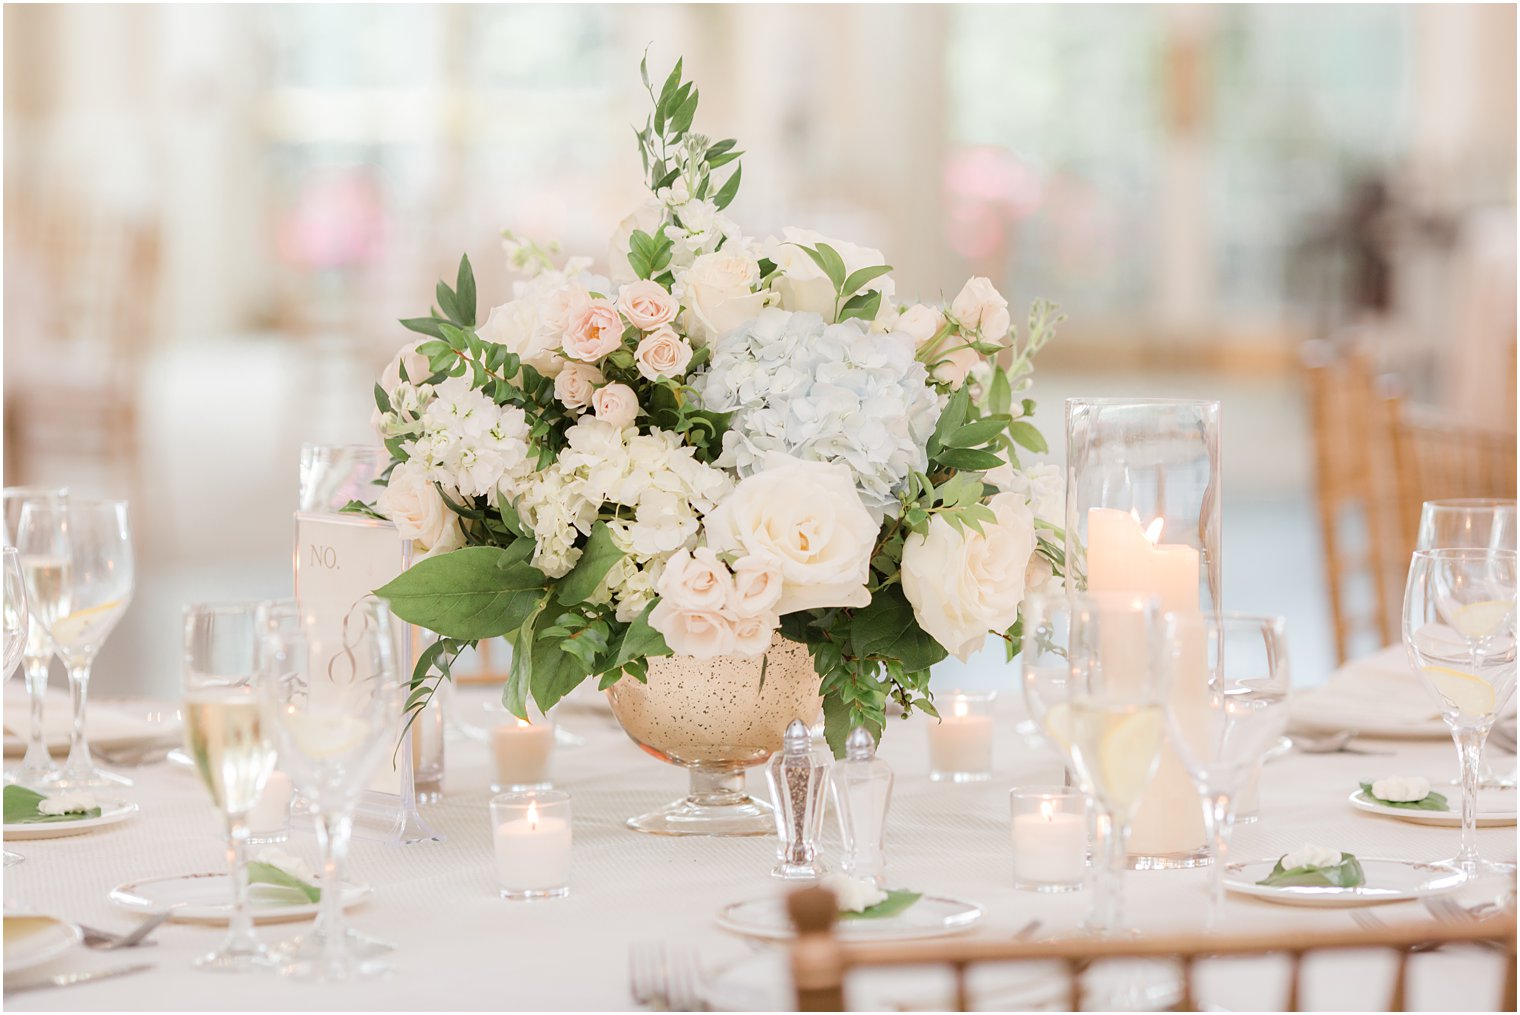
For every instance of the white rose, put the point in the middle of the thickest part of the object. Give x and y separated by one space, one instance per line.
920 321
1042 484
662 353
717 292
696 580
803 286
646 304
645 218
1406 789
955 366
757 586
963 584
696 633
615 404
753 635
518 326
575 385
1309 855
415 507
981 308
809 519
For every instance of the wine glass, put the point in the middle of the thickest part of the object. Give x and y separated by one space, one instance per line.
1227 706
1459 630
330 696
15 624
233 754
77 558
37 658
1115 694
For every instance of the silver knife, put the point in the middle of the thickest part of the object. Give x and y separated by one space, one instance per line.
72 979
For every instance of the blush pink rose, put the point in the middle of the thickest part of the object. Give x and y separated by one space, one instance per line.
753 635
662 353
646 304
594 332
696 580
700 634
575 385
757 586
615 404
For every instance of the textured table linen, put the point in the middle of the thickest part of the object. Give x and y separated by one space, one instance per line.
462 947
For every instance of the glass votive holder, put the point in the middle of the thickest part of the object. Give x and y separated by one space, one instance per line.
531 835
520 753
269 819
960 743
1049 838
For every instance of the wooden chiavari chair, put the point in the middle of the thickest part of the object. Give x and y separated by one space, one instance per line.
820 961
1439 458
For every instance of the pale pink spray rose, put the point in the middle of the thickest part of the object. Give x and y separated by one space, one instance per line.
615 404
596 331
699 634
662 353
753 635
695 580
647 304
757 586
576 384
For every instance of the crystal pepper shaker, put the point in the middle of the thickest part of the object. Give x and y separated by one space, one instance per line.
862 788
797 778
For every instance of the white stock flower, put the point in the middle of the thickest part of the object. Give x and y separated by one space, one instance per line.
695 580
1042 485
832 393
981 308
962 583
615 404
718 293
700 634
404 393
808 518
803 286
662 353
414 506
468 442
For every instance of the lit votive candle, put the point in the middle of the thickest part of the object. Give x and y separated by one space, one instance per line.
1049 838
531 833
960 743
269 819
520 752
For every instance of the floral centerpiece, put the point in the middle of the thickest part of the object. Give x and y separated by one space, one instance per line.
720 444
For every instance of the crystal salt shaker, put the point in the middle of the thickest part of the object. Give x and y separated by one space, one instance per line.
862 788
797 776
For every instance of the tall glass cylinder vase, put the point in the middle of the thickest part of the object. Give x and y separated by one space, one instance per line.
1143 518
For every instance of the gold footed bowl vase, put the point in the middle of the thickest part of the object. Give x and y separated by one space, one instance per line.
716 718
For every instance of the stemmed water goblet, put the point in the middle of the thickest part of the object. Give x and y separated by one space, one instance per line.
1226 707
1459 630
14 620
37 658
226 737
331 698
77 558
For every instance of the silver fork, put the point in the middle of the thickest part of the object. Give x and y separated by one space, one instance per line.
108 942
665 978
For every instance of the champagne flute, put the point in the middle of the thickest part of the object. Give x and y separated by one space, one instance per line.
37 658
15 624
1115 696
78 564
226 737
331 697
1224 724
1459 630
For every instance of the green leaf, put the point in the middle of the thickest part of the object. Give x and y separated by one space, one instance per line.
896 901
680 119
358 507
1346 874
268 874
514 696
977 432
472 593
382 400
950 419
596 560
888 629
464 291
859 278
446 302
863 305
968 460
1432 801
1028 436
828 261
423 326
640 641
1000 393
730 189
21 809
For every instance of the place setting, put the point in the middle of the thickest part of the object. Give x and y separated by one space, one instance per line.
644 602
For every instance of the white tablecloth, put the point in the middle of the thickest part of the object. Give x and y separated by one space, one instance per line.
461 947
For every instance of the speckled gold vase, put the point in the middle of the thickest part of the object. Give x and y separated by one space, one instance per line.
716 717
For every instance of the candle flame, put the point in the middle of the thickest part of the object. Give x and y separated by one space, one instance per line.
1153 531
960 708
523 724
533 814
1047 810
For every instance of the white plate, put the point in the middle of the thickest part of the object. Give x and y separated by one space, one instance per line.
207 898
111 812
930 916
32 939
1387 881
1425 729
118 723
1496 807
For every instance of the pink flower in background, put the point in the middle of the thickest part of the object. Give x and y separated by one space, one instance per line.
337 220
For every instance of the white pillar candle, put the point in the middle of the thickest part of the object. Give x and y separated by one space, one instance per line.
1049 846
520 752
271 815
533 854
960 743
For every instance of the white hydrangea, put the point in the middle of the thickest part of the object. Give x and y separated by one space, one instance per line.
468 442
833 393
656 487
1042 484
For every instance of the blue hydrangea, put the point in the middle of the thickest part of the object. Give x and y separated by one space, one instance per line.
834 393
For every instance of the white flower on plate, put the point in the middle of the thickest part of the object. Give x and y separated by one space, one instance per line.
290 864
1309 855
853 895
802 285
1401 789
76 802
963 583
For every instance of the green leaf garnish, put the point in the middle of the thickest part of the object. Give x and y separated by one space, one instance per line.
21 808
894 903
268 874
1346 874
1432 801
